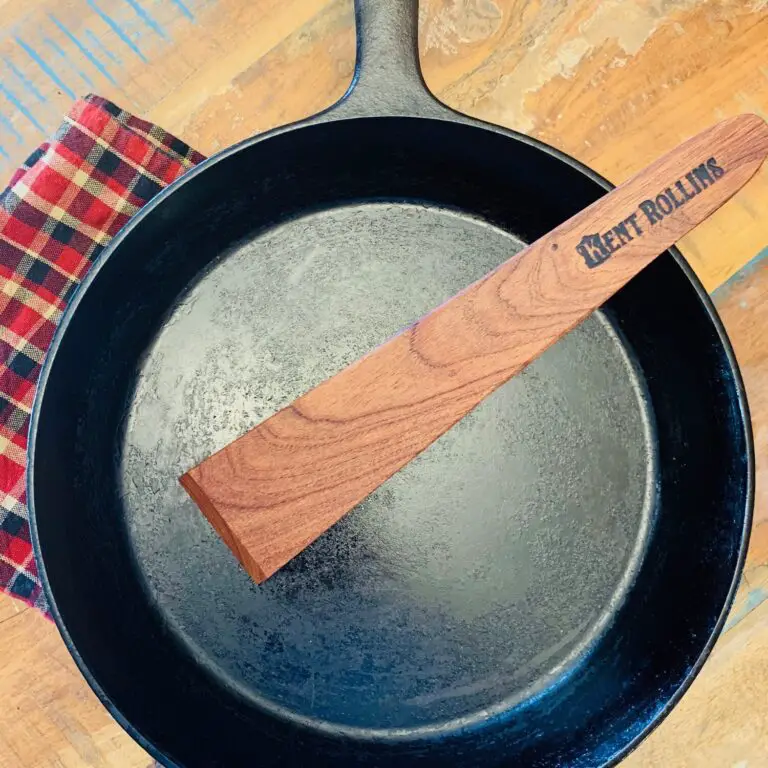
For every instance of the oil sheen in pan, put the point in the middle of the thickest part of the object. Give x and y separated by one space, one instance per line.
466 584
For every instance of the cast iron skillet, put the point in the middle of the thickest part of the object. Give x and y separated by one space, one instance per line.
537 589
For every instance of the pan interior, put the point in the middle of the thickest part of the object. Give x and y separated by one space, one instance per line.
471 580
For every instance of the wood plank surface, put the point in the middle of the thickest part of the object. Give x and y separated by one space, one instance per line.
48 715
613 82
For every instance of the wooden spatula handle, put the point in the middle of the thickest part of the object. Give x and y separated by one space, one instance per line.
278 487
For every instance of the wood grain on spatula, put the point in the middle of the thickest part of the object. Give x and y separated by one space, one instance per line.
274 490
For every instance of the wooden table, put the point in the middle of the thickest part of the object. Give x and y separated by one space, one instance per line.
612 82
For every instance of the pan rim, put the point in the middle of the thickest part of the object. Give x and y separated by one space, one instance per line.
705 301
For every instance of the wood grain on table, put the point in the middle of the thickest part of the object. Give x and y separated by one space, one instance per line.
615 83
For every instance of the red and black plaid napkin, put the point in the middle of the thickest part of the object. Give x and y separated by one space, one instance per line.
59 212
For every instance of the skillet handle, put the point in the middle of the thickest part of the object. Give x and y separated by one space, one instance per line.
387 79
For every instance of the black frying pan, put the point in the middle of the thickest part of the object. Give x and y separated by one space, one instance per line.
537 589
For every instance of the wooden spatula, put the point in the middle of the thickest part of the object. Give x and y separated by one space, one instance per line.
273 491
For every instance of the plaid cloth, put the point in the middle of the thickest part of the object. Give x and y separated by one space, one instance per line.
59 212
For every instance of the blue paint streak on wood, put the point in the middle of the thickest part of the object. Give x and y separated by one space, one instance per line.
12 128
80 47
748 269
24 111
24 80
53 45
35 56
183 8
103 48
755 598
147 19
117 29
4 153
